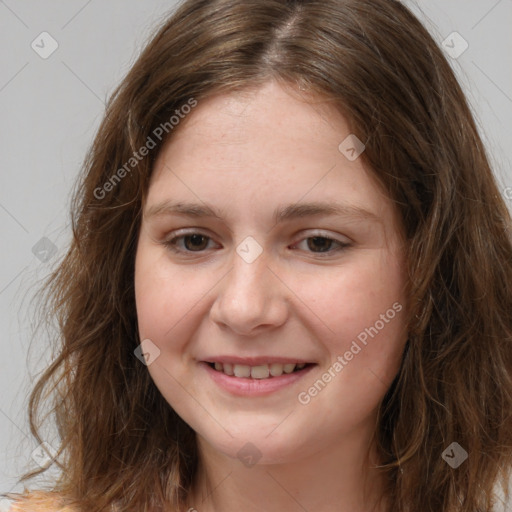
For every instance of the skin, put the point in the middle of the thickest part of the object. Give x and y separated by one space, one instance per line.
246 154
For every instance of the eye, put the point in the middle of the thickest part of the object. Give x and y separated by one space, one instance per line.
198 242
190 242
323 244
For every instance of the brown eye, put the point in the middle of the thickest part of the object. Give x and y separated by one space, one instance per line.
321 243
192 242
195 242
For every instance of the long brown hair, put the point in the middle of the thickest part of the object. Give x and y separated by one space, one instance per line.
372 60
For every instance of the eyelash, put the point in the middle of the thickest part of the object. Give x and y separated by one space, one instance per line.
172 245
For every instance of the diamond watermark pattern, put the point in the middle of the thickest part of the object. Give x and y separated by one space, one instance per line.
351 147
249 455
43 454
455 45
44 45
249 249
147 352
44 250
454 455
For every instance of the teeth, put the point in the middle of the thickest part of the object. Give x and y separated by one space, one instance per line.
260 372
228 368
263 371
276 369
241 370
288 368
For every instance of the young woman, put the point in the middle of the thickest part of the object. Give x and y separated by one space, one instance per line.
290 281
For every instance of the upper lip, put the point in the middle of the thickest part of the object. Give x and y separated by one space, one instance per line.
254 361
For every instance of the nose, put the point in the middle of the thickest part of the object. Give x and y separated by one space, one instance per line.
250 298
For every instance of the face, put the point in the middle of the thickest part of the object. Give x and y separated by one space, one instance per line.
268 249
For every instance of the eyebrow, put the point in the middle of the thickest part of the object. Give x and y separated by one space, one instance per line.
281 214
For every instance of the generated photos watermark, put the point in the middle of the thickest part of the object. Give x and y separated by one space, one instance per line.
158 133
305 397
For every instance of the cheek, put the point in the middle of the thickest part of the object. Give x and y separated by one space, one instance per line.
164 295
159 310
363 306
364 350
165 299
354 295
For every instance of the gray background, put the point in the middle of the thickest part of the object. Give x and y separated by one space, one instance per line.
50 109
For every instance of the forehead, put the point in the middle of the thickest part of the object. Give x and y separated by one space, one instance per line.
257 150
257 114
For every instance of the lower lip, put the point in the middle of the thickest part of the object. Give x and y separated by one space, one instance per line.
254 387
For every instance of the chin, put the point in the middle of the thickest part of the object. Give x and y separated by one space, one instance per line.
254 445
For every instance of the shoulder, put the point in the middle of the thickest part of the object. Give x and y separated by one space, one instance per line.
36 501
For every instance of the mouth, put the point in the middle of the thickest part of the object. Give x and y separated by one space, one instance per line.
255 376
260 371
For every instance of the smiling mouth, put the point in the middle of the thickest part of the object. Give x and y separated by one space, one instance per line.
262 371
